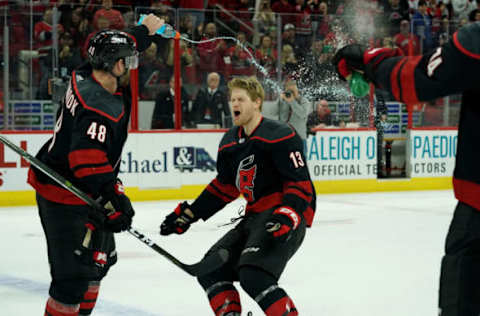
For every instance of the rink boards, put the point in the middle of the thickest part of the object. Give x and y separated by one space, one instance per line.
178 165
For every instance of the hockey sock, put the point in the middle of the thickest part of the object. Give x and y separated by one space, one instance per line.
89 298
55 308
224 299
263 287
282 307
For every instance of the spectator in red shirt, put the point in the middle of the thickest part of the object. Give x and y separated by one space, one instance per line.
239 58
114 16
407 41
285 9
211 53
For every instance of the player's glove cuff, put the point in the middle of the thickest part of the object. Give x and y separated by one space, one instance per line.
282 222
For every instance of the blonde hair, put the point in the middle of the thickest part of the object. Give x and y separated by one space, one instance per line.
251 85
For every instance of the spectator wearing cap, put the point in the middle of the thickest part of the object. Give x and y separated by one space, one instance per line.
407 41
289 37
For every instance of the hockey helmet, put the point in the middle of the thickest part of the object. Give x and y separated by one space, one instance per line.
106 47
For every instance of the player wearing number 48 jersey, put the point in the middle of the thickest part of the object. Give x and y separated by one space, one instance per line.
262 160
452 68
86 146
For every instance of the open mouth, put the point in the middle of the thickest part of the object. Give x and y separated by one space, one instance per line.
236 113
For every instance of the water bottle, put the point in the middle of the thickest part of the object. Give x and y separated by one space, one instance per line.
358 86
166 30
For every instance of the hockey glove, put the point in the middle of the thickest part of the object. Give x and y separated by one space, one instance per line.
178 221
356 57
119 208
282 223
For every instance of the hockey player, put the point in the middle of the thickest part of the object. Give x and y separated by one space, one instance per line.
452 68
86 148
263 160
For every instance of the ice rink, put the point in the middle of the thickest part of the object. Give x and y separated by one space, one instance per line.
366 255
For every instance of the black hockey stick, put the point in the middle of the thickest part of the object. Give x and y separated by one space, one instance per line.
206 265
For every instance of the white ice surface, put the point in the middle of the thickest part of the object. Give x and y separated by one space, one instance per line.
366 255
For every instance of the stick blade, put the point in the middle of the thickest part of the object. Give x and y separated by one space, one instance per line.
209 263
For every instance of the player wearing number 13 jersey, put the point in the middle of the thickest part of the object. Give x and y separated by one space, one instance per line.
263 160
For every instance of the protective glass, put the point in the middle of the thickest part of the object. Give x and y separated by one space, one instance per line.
131 62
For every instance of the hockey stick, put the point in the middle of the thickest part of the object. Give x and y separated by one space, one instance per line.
206 265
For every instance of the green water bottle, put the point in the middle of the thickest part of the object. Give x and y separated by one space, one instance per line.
358 86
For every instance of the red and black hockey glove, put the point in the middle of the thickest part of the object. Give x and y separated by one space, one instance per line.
282 223
178 221
357 57
119 208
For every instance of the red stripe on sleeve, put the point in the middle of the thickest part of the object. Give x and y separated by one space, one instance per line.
86 156
407 80
304 185
308 215
88 171
265 203
393 79
226 189
295 191
217 194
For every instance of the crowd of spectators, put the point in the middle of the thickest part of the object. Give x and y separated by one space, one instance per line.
290 39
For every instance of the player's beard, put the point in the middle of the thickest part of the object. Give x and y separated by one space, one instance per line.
124 80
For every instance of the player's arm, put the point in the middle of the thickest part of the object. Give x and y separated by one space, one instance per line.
218 193
451 69
299 200
92 138
143 33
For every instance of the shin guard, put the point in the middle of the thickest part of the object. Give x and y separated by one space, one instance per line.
89 298
224 299
55 308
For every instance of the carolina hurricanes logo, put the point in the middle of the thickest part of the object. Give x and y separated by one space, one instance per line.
246 174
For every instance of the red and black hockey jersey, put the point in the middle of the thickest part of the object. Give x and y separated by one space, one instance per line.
89 135
87 143
268 168
450 69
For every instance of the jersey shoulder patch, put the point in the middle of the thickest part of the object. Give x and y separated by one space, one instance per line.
467 40
94 97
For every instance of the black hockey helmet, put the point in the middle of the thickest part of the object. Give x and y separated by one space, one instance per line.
108 46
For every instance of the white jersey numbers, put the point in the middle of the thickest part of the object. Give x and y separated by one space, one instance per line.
297 159
97 131
435 61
